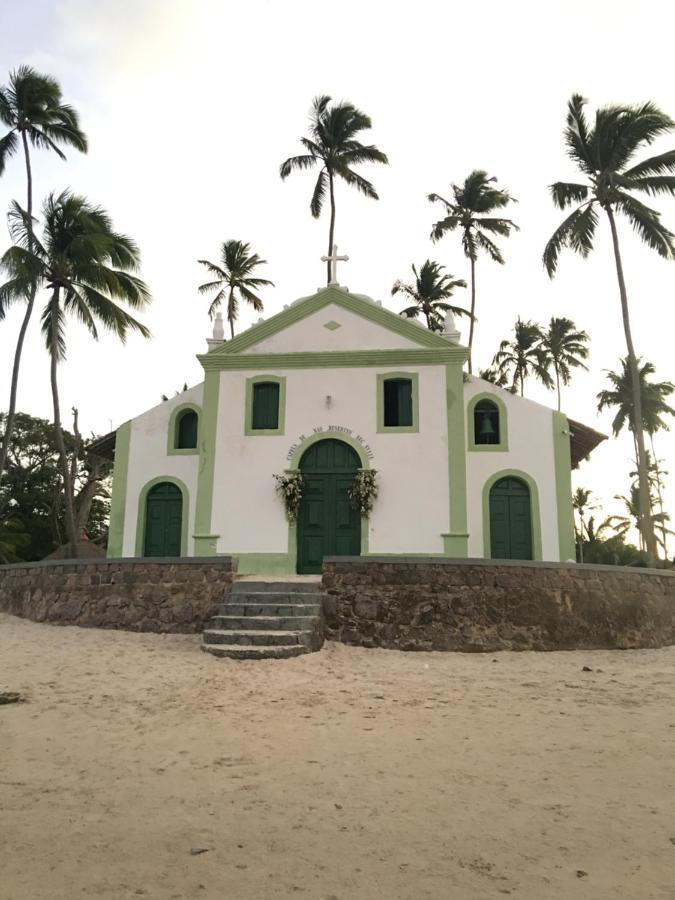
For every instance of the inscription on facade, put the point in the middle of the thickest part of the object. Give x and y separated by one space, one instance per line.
328 430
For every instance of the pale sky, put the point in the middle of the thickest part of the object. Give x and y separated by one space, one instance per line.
191 105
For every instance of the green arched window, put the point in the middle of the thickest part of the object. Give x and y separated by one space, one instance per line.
187 430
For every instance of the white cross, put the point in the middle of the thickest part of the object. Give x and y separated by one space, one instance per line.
333 259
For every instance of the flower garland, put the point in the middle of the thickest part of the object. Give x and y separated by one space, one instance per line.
363 490
289 487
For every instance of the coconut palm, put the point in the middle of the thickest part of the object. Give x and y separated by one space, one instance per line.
494 376
31 108
581 503
470 212
565 349
85 266
604 151
234 279
655 408
429 293
621 524
333 146
523 356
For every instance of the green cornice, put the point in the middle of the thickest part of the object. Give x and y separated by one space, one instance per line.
118 502
307 306
336 359
563 486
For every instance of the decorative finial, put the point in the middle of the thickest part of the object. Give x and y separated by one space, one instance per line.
218 328
332 260
450 330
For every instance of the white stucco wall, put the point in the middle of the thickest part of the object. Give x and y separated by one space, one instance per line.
148 459
530 442
412 510
354 333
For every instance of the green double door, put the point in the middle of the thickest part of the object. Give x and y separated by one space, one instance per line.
163 520
328 525
510 520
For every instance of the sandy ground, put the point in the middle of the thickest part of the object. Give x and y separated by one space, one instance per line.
344 774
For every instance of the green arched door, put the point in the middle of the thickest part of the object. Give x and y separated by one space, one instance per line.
510 520
163 520
328 525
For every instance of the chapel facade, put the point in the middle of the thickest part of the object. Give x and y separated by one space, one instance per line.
333 385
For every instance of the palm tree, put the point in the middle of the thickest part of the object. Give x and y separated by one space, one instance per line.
233 276
431 289
334 147
85 266
566 349
31 107
469 211
604 152
523 356
633 518
581 503
494 376
654 409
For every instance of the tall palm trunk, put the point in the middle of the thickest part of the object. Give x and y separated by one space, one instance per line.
331 230
230 311
9 422
473 308
557 382
659 494
68 504
647 526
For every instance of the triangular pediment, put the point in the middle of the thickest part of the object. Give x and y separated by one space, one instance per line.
333 319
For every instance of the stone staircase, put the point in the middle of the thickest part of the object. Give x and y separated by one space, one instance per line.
267 620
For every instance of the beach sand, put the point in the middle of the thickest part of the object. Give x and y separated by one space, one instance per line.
347 774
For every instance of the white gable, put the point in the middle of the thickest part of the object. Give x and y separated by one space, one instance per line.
333 328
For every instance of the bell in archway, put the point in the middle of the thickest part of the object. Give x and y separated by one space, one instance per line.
487 429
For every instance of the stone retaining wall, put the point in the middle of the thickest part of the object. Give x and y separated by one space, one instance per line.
164 595
429 603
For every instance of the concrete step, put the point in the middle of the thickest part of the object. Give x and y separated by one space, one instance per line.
271 638
248 651
268 609
262 623
288 597
277 587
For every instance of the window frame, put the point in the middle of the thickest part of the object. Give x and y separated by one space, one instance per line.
249 430
172 434
503 444
398 429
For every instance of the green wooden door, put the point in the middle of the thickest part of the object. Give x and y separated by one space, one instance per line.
510 520
328 525
163 520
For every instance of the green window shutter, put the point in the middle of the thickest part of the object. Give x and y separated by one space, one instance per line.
188 426
398 402
265 413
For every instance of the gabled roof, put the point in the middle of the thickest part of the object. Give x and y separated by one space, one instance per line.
339 296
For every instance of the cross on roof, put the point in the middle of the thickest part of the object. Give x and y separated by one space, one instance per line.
333 260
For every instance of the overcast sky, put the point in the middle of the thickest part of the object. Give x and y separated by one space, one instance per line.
191 105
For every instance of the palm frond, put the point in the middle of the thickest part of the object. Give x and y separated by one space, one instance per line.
319 194
577 232
296 164
647 223
565 193
660 164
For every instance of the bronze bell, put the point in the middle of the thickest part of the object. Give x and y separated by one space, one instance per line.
486 427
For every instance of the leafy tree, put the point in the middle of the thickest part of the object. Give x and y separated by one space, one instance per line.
429 293
234 279
13 537
523 356
604 152
472 213
85 266
31 495
654 410
31 107
566 349
633 517
609 551
333 146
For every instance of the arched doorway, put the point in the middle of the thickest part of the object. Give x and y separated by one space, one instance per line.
510 519
328 525
163 520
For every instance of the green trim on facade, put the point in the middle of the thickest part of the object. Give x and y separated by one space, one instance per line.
398 429
335 359
118 500
205 542
563 486
456 541
264 564
534 510
172 436
142 506
308 306
248 406
332 325
503 444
